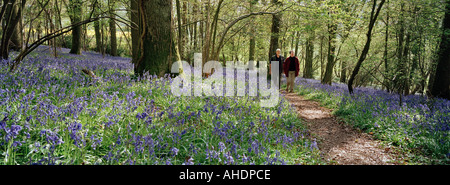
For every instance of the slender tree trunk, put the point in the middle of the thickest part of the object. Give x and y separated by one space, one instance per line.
322 58
297 41
135 31
98 37
180 30
252 47
308 72
406 62
252 44
213 53
207 37
195 28
185 41
386 62
112 29
328 76
75 15
343 78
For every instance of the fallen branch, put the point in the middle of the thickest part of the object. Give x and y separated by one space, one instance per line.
89 73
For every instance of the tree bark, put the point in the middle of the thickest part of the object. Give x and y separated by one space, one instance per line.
385 55
275 31
135 31
441 86
158 52
180 30
112 29
16 37
308 72
98 36
75 15
98 45
328 76
10 26
252 43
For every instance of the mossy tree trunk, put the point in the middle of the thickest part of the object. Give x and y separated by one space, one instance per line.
156 51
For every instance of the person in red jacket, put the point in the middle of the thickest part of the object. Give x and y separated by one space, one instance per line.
291 69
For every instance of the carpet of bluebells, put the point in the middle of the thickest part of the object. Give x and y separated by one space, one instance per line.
418 124
52 113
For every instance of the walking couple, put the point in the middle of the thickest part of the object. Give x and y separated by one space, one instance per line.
289 66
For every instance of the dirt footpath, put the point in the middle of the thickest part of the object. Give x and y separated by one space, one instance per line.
340 144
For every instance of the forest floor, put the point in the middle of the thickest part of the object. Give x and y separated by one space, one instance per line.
338 142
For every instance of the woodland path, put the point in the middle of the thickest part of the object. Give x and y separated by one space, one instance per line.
339 143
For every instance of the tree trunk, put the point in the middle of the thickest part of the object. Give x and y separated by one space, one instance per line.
112 29
385 55
113 37
180 30
322 58
308 72
343 78
406 62
75 15
252 44
441 86
206 41
135 31
274 37
213 53
98 37
16 37
328 76
194 34
297 41
10 27
158 52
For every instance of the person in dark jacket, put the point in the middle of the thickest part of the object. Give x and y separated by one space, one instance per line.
291 69
277 57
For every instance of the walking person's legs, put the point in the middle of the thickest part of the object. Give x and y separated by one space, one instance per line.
291 80
288 83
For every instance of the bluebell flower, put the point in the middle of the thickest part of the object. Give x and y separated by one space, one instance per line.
169 161
174 151
190 161
222 147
